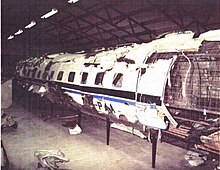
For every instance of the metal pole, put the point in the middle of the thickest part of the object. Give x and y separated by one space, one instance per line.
108 127
154 136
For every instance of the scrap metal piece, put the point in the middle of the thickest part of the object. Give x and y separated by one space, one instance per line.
8 121
195 159
201 130
211 141
50 158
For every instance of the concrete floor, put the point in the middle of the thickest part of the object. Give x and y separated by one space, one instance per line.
87 150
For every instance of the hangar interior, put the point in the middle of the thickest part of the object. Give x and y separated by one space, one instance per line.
29 36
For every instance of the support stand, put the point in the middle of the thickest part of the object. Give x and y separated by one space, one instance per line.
79 118
108 127
153 137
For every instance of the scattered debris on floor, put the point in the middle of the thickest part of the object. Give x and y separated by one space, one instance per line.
212 141
76 130
7 121
50 158
195 159
206 137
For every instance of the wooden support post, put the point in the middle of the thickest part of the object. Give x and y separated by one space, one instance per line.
154 136
108 127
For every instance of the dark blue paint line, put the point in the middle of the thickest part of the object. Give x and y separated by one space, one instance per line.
104 97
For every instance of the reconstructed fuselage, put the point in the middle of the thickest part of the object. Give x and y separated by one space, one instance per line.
136 82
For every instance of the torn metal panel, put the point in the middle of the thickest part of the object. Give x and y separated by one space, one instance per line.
156 74
212 35
177 42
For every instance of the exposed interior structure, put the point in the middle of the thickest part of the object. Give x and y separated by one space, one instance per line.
150 68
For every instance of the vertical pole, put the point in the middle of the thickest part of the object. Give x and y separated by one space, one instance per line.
154 136
79 118
108 127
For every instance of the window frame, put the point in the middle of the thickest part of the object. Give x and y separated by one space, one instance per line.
117 80
99 78
38 74
84 78
34 73
72 76
60 75
51 75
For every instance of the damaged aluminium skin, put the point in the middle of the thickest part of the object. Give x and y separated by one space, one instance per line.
124 81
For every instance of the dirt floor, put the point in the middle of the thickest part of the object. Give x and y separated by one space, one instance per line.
87 150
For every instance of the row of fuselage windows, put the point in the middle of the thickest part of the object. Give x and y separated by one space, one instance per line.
117 78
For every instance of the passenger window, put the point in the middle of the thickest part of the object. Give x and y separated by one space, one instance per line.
60 75
99 78
84 78
117 80
38 75
34 72
45 75
51 75
71 76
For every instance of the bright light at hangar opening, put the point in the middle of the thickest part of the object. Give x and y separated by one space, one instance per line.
32 23
49 14
72 1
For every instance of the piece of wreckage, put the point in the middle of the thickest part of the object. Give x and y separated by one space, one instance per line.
138 83
50 158
7 121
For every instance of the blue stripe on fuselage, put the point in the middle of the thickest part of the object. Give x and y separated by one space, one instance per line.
102 97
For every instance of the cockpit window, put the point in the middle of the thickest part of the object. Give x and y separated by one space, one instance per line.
99 78
60 75
117 80
84 78
71 77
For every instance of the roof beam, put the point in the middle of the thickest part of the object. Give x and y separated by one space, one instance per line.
107 21
119 17
131 19
161 11
94 25
81 35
